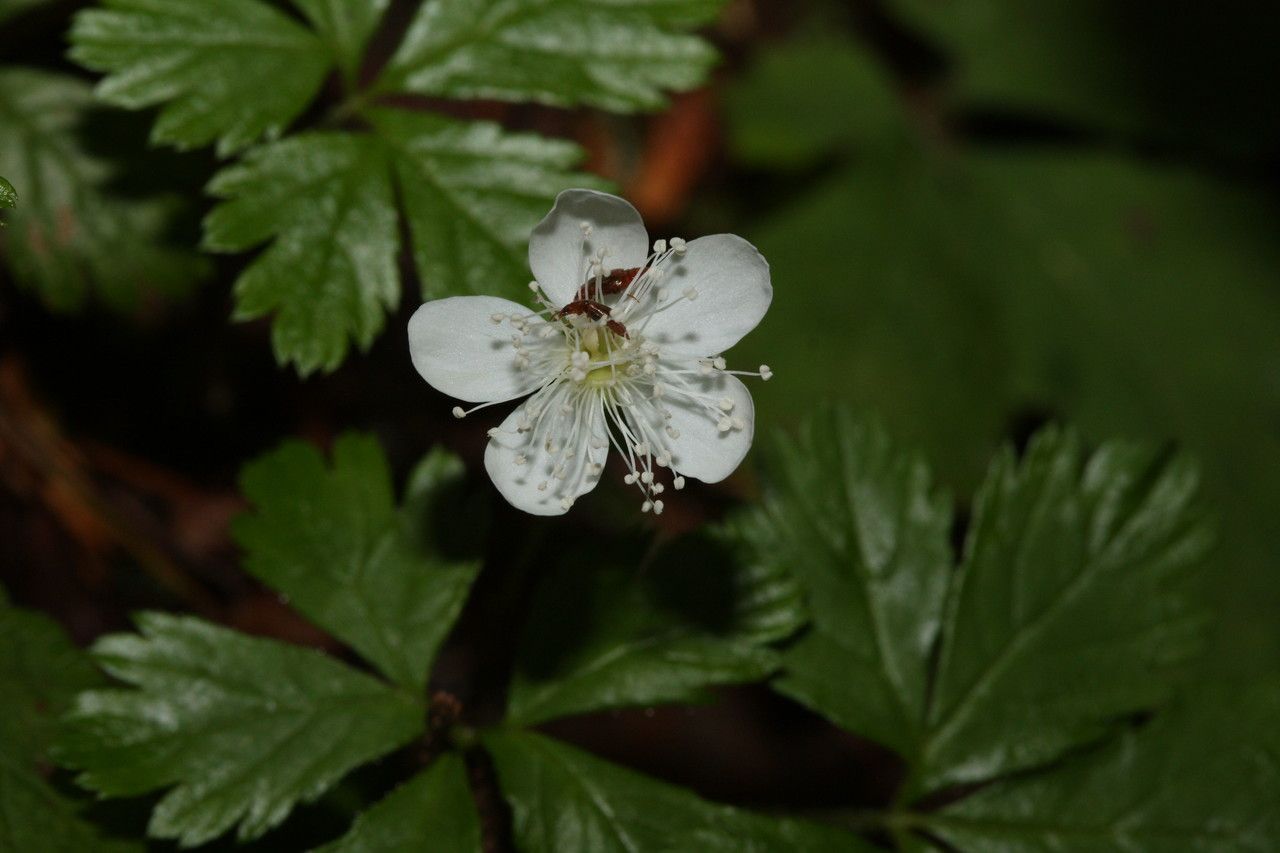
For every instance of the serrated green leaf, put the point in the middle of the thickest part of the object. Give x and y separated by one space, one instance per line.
472 193
861 526
1205 777
242 728
71 235
565 799
1073 606
40 673
618 56
779 118
346 26
330 275
234 71
332 540
688 619
434 809
8 195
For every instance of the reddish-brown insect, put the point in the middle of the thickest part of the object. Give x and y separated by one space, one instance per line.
595 311
613 283
610 285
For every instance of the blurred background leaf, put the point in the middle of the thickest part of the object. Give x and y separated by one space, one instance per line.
41 671
1191 75
75 233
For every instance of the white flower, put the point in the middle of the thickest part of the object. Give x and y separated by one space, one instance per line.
624 352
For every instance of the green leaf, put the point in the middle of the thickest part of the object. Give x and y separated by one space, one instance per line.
434 808
325 201
242 728
472 193
346 26
1204 777
40 673
565 799
70 234
332 540
8 195
1076 602
227 70
1133 69
618 56
37 819
779 118
686 620
861 526
13 8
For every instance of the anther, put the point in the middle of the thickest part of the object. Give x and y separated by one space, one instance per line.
726 404
679 245
678 482
458 412
765 373
724 425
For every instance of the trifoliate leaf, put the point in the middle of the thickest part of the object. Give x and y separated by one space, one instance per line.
687 620
330 275
1204 777
346 26
565 799
8 195
70 234
40 673
434 809
332 540
619 56
227 70
1075 604
241 728
780 118
472 193
861 526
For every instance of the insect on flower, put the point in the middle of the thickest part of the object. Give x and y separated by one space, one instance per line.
623 351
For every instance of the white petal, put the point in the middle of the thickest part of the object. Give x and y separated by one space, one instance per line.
518 482
461 352
702 449
733 293
558 251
